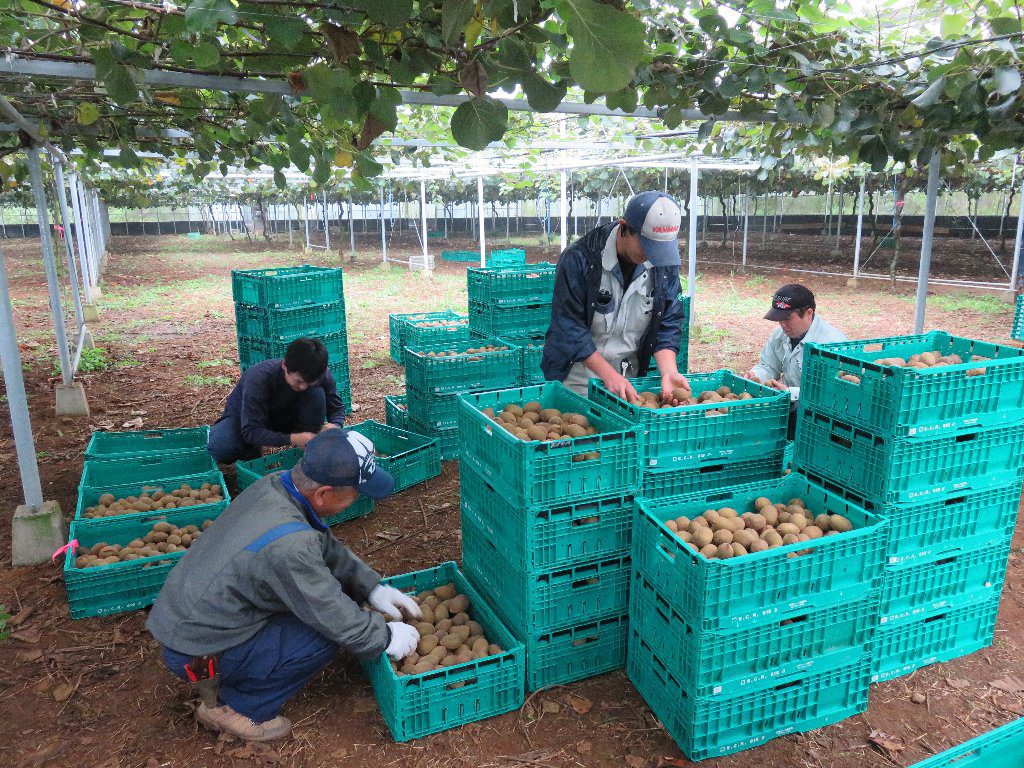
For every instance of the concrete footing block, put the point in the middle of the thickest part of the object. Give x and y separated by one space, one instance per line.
87 340
37 533
91 313
71 400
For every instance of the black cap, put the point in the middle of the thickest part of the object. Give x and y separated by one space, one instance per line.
788 299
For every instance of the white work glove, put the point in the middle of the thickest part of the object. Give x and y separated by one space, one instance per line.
393 603
403 640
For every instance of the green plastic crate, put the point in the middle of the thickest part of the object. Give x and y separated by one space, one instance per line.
711 727
1018 320
97 476
506 257
289 322
902 647
287 286
712 664
575 653
511 286
898 402
409 457
418 705
125 446
787 455
666 483
435 412
398 323
544 600
540 538
506 322
419 334
888 471
691 435
253 350
531 350
89 496
460 256
1000 748
396 411
447 438
342 382
762 587
248 472
466 371
943 580
128 585
535 473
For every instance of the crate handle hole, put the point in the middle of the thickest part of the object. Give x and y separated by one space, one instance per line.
670 556
793 620
461 684
592 520
966 438
946 560
712 468
841 441
584 641
957 500
589 581
873 347
930 619
790 684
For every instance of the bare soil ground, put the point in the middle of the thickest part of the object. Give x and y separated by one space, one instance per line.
94 692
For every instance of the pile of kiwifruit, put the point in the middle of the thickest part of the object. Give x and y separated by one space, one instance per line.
724 533
440 323
162 539
470 351
533 422
185 496
448 635
684 397
919 361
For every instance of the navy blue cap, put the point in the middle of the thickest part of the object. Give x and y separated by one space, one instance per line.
788 299
343 458
655 217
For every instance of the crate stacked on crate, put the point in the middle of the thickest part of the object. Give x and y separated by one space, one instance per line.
132 482
273 307
731 649
436 374
683 358
399 324
546 527
396 411
715 443
507 257
936 447
1018 320
510 302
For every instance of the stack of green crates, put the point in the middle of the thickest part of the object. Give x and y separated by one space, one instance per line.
731 653
510 302
128 464
938 452
399 324
435 375
1018 320
273 307
546 531
692 448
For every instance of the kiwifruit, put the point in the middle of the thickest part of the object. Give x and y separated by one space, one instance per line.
840 524
533 406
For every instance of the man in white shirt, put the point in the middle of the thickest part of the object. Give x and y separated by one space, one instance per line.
782 358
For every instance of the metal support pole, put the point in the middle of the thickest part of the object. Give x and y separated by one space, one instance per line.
563 216
860 229
1015 271
423 222
305 218
43 218
746 224
926 241
69 249
480 211
383 229
352 228
82 239
17 403
327 224
691 242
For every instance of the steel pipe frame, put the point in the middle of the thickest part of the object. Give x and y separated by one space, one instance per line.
928 229
69 249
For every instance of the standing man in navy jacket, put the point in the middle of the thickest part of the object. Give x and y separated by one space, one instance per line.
616 302
278 403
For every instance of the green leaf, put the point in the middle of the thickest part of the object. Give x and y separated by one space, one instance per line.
874 152
824 114
181 52
287 30
367 166
394 13
115 77
205 55
455 15
321 171
608 45
298 153
542 95
1007 80
444 86
478 122
626 100
279 180
204 15
87 113
1004 25
385 105
931 94
953 25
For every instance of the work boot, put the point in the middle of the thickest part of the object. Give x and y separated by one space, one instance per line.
225 720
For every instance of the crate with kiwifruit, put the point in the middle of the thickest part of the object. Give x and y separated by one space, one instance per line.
532 422
460 366
164 538
184 495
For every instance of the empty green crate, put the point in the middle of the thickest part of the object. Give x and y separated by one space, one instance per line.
447 438
396 411
460 256
896 402
409 457
888 471
122 446
665 483
544 600
287 286
725 663
289 322
761 587
248 472
690 435
1018 320
928 585
423 333
901 647
575 653
128 585
711 727
506 257
398 323
511 286
506 322
426 370
539 538
253 350
531 350
89 496
418 705
97 476
433 411
1000 748
537 473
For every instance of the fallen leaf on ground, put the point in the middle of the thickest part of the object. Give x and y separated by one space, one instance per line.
672 762
584 747
633 761
30 636
889 745
32 655
581 704
1010 684
959 683
19 618
550 707
64 691
135 423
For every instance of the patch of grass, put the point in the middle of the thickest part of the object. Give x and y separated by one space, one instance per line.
43 454
4 618
756 281
986 305
92 360
213 363
708 335
128 362
194 380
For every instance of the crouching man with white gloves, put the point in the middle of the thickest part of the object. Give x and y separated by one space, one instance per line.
267 595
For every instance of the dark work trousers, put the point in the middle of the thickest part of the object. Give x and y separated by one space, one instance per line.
227 445
260 675
792 419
